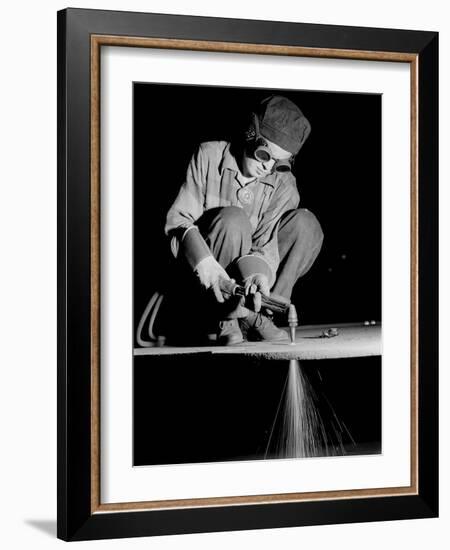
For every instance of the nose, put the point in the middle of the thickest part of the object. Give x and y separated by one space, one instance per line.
268 165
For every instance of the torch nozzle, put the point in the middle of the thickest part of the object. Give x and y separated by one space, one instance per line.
292 322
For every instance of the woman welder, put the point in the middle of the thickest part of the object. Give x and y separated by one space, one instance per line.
236 215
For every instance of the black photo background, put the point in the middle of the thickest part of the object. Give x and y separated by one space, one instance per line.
199 410
338 174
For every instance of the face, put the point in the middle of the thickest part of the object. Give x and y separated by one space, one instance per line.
253 168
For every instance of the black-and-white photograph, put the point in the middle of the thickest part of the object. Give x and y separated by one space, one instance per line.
257 251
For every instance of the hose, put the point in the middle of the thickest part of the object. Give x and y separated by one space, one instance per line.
150 312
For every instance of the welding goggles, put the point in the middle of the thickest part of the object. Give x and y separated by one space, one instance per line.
258 147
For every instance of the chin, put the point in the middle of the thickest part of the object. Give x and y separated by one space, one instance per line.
254 172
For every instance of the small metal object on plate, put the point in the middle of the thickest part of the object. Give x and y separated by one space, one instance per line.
161 341
330 332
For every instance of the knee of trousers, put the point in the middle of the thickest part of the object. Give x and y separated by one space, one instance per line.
235 219
306 224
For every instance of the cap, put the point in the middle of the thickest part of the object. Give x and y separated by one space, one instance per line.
282 122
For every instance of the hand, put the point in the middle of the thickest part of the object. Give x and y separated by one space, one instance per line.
255 285
209 271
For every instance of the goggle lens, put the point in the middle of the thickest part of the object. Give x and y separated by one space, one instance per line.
262 154
282 167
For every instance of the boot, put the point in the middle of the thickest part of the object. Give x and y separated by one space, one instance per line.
257 327
229 333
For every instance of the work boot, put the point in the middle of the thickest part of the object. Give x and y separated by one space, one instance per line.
257 327
229 333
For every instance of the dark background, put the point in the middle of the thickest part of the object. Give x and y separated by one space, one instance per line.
196 409
338 173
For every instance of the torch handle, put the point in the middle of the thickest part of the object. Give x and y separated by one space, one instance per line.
275 303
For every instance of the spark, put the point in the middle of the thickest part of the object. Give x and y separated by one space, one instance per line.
303 432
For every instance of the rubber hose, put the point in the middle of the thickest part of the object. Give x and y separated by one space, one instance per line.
151 311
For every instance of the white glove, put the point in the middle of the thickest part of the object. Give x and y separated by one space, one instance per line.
255 285
209 271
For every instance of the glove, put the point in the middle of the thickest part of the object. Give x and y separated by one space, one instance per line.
254 286
209 272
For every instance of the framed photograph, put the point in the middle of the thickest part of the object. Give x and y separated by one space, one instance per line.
247 271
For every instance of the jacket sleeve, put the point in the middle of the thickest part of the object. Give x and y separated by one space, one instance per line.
186 209
263 256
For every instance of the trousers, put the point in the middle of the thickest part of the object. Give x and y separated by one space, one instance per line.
189 313
228 233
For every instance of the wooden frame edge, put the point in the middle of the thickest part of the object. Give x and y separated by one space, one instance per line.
236 47
230 47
